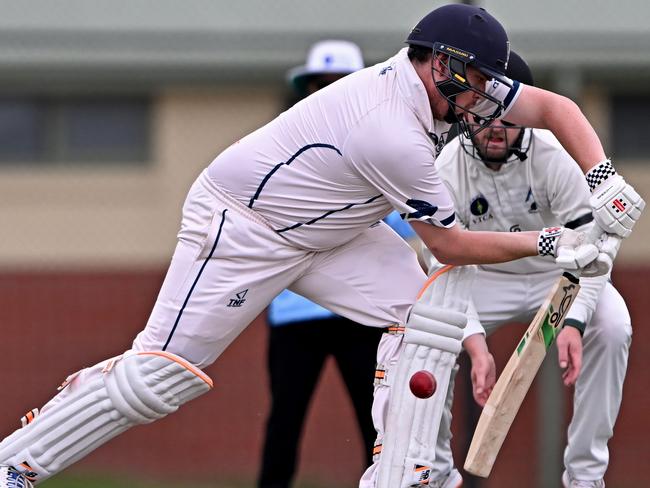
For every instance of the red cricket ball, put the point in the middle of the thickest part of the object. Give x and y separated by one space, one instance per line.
423 384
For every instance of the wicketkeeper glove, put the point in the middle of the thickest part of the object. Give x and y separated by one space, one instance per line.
616 206
571 250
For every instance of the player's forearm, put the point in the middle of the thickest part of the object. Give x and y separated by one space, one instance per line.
475 247
546 110
565 119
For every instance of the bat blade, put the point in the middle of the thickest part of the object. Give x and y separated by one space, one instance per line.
510 390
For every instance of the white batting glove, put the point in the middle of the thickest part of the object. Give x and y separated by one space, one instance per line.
570 248
608 245
616 206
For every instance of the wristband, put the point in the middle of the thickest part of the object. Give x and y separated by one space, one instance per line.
547 240
599 173
576 324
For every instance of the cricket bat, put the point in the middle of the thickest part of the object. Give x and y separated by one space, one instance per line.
515 380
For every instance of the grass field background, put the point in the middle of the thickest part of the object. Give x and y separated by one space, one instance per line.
94 481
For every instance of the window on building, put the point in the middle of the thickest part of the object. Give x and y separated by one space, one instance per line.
629 126
77 130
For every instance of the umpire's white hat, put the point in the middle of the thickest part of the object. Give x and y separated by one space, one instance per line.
327 57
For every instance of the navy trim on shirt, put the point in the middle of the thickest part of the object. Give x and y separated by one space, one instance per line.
511 94
448 220
277 166
328 213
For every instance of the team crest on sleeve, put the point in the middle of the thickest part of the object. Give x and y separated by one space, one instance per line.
422 209
533 208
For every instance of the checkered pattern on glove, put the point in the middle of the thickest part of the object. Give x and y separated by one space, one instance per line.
599 173
547 240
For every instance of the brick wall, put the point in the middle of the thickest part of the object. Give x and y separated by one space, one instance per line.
56 323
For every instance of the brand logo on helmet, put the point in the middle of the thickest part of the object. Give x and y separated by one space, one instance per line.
456 51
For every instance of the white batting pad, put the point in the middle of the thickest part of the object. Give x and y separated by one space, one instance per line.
99 403
431 342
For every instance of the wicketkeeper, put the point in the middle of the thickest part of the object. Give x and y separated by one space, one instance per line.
511 179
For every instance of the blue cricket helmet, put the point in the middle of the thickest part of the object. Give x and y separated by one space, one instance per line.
468 33
466 36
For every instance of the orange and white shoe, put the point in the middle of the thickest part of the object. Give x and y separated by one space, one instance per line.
10 478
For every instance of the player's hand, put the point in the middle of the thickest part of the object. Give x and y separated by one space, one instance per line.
569 349
483 377
615 204
572 249
608 246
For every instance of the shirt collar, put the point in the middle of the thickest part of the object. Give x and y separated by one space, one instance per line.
414 93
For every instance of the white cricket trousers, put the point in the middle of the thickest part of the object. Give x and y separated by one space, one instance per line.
502 298
229 264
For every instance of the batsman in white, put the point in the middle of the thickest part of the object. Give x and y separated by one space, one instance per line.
511 179
298 204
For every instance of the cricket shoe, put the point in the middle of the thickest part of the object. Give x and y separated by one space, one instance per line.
567 482
452 480
10 478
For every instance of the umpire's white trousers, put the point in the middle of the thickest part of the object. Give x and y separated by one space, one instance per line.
502 298
229 264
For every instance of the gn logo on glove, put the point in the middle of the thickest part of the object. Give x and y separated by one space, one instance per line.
618 205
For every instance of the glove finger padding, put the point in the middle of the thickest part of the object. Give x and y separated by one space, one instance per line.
600 266
585 254
609 245
576 258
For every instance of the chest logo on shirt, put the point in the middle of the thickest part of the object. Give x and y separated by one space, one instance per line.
533 204
385 70
479 207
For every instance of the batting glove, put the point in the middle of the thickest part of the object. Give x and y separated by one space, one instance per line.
616 206
570 248
608 245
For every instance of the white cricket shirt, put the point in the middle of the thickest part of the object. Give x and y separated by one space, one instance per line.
343 158
546 189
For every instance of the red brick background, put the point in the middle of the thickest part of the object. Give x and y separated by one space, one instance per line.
56 323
